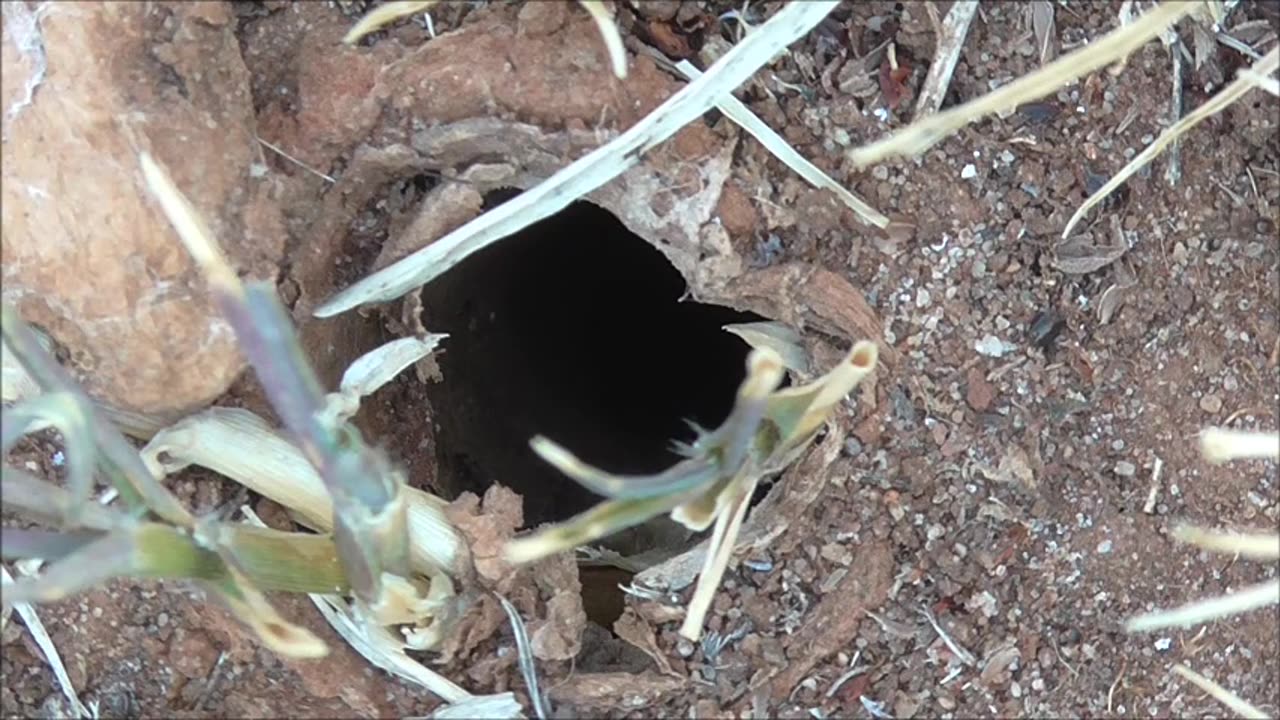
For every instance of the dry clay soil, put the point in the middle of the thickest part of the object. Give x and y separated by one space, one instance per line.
1008 495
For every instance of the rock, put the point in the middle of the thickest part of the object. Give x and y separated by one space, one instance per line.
736 212
1211 403
992 346
1124 468
192 654
979 392
87 255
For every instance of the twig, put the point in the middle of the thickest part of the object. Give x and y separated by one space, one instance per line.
1112 691
1149 507
1210 107
1173 172
961 654
211 682
527 667
735 110
296 161
1237 704
951 39
1219 445
1261 546
38 633
1252 597
590 172
922 134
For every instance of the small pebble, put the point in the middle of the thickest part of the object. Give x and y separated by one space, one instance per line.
1211 403
852 447
1124 468
992 346
1104 547
969 172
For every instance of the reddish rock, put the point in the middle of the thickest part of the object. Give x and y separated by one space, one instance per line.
86 254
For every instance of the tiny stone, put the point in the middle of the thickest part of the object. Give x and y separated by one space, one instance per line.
1211 403
880 172
969 172
923 298
1117 445
684 648
1104 547
1229 383
1124 468
852 447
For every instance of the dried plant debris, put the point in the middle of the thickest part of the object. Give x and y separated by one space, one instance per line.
1044 29
97 544
590 172
390 12
955 28
1237 704
1085 253
735 110
50 651
766 430
922 134
1219 446
1226 96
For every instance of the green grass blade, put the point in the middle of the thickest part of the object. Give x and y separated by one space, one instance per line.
48 504
16 544
603 519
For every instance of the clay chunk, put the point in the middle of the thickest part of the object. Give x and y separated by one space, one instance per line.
86 254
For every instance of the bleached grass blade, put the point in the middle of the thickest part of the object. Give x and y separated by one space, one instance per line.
735 110
498 707
954 30
1238 705
609 33
1229 94
373 370
1219 445
38 633
1250 598
1259 80
922 134
1260 545
16 383
384 14
719 553
525 652
242 446
590 172
377 644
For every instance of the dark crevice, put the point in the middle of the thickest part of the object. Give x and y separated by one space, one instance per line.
572 328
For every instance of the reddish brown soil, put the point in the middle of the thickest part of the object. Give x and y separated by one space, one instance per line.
1006 494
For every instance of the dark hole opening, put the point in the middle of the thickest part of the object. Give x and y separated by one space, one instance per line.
572 328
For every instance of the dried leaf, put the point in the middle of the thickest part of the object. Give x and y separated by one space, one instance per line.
1081 254
778 337
1042 23
1110 302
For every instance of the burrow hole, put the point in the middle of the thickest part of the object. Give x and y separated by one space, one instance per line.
573 328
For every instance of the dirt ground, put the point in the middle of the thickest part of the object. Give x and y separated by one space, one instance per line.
1016 471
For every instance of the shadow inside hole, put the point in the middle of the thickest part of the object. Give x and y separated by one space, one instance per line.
573 329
